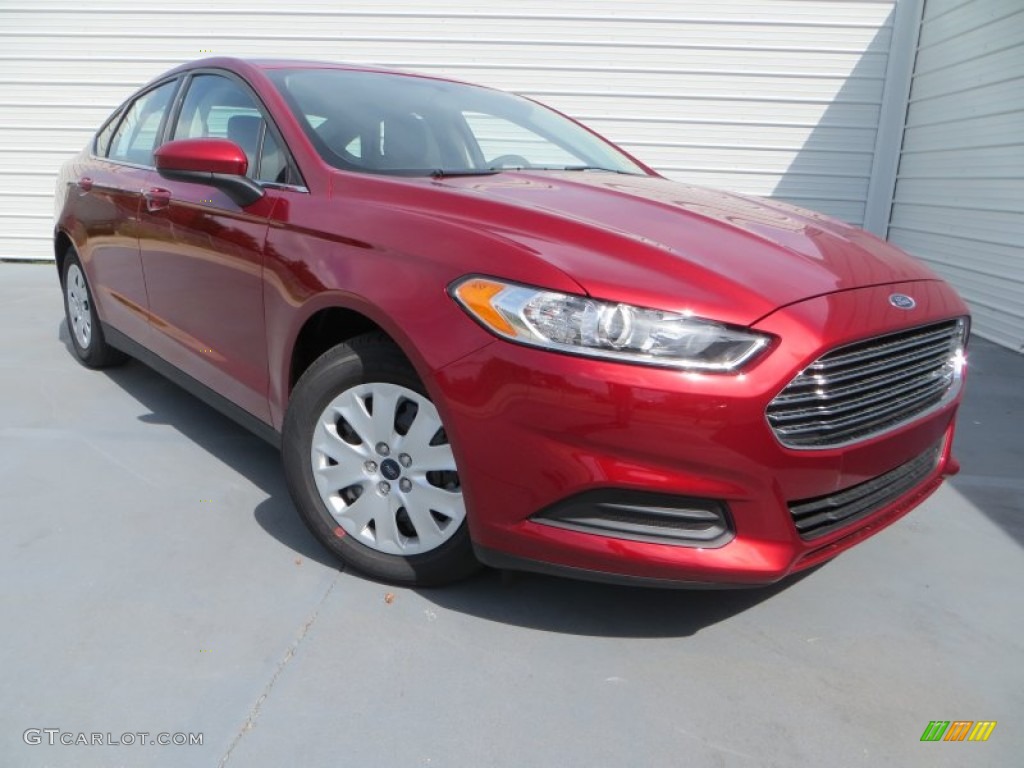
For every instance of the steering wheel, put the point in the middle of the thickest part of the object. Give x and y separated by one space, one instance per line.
509 161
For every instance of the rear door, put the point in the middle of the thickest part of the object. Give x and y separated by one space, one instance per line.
202 254
106 201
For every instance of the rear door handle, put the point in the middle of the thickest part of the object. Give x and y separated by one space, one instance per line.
156 199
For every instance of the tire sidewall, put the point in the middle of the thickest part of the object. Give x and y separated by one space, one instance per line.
87 355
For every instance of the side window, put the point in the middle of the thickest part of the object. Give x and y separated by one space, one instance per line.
135 137
497 137
273 162
218 107
103 137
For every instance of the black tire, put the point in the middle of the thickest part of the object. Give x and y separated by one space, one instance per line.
90 347
365 360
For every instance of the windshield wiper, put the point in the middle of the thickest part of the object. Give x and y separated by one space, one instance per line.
441 173
592 168
562 168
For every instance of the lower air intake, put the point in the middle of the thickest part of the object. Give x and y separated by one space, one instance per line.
640 516
824 514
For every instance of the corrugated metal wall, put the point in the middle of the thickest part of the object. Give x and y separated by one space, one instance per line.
761 96
959 200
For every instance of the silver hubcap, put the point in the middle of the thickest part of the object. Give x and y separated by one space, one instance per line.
79 306
384 468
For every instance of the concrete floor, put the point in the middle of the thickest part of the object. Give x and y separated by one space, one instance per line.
155 578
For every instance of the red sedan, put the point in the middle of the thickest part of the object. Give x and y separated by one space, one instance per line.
479 332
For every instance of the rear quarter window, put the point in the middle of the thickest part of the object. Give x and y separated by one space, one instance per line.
102 142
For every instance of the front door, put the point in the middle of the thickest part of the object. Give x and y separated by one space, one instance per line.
202 254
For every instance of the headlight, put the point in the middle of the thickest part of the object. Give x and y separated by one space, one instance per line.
584 326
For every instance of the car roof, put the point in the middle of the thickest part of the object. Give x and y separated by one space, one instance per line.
250 66
242 65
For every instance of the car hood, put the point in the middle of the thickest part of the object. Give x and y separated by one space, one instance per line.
655 242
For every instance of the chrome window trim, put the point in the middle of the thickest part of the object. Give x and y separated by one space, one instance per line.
123 163
285 187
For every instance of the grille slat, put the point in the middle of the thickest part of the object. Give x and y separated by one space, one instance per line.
852 421
845 373
853 389
840 406
821 515
869 387
881 349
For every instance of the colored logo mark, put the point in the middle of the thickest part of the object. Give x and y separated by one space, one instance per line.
958 730
902 301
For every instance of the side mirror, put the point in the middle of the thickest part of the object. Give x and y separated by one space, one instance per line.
217 162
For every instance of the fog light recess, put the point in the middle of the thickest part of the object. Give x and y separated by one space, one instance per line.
642 516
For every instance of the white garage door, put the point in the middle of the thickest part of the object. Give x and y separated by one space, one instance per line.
770 97
959 199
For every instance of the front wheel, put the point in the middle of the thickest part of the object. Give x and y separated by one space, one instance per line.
371 470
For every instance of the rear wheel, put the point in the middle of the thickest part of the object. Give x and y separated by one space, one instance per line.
83 322
370 467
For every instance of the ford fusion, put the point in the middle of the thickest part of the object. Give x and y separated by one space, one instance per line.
480 333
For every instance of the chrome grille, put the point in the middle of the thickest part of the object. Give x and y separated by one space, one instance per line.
864 389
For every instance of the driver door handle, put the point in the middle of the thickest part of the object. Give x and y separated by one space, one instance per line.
156 199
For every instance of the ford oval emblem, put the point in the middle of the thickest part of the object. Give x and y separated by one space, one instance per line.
902 301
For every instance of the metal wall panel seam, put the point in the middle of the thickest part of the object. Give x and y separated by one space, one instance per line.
907 20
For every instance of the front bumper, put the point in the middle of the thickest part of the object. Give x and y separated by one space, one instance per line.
534 430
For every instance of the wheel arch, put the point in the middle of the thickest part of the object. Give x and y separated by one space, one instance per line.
61 242
325 328
333 319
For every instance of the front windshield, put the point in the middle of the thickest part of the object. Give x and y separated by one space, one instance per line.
405 125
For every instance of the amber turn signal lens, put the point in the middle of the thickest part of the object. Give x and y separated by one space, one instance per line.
476 295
